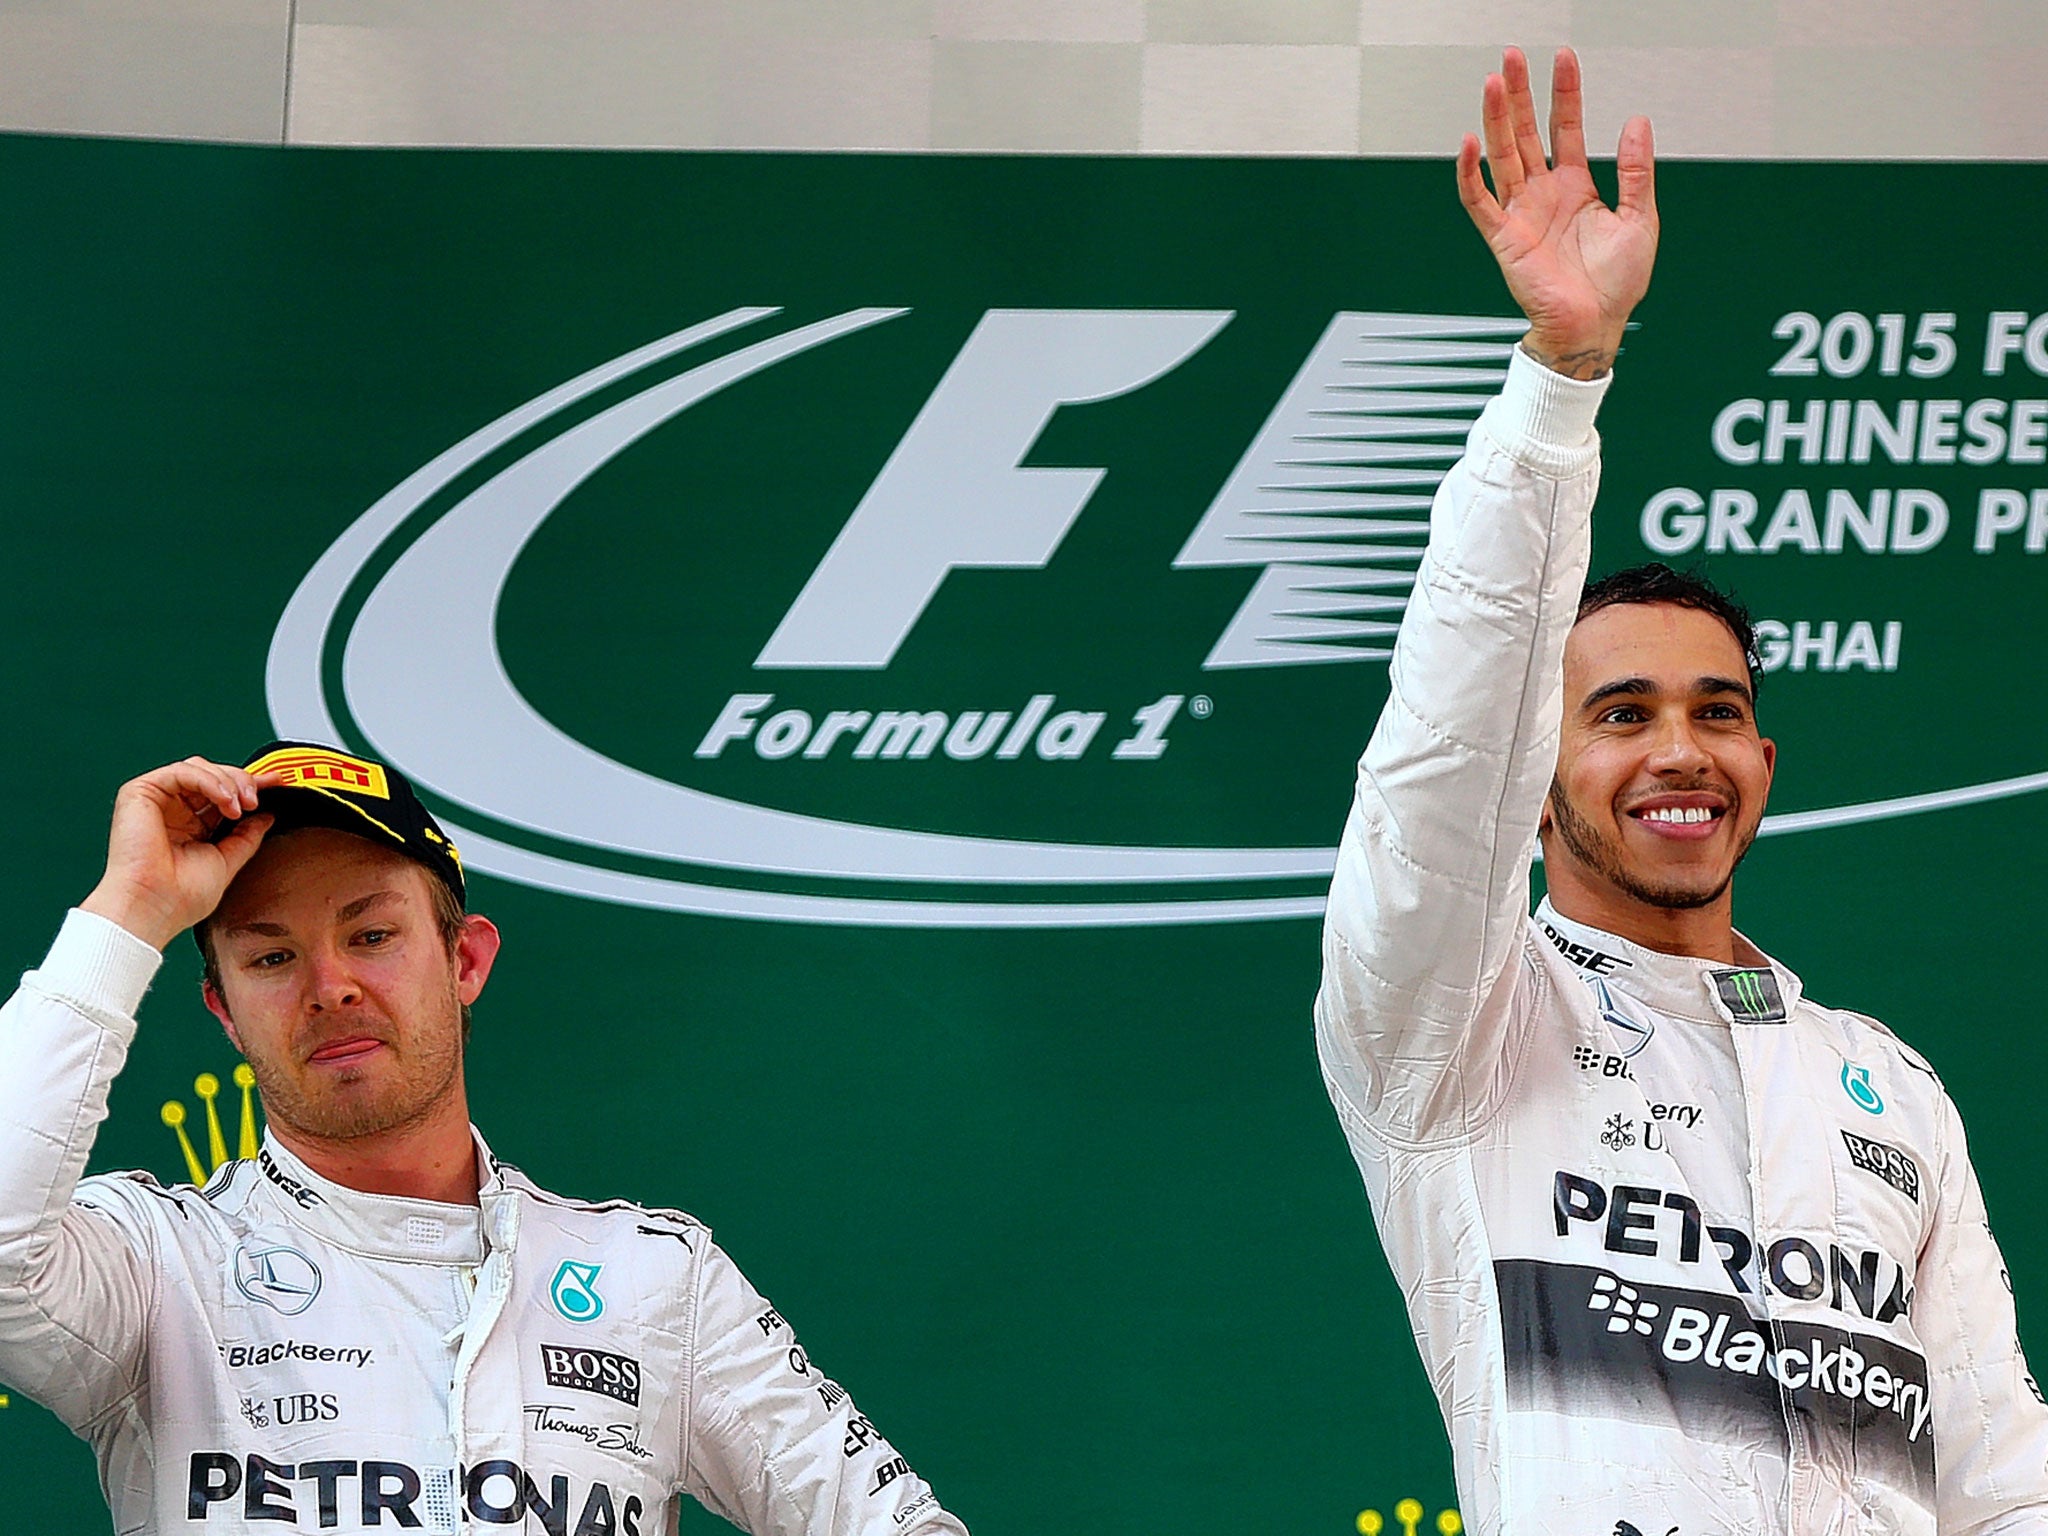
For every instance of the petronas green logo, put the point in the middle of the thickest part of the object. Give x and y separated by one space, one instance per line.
574 1292
1856 1083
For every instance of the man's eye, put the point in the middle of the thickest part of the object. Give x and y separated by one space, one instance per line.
373 937
1624 714
269 960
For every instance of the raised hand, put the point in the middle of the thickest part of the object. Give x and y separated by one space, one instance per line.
1577 267
164 871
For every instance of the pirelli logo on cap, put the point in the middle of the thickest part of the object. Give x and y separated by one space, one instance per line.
306 768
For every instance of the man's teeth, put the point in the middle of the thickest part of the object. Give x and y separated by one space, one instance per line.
1679 813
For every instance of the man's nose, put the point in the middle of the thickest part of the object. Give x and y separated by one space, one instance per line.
334 982
1677 748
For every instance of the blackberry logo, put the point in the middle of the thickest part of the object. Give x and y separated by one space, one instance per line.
1623 1304
1586 1059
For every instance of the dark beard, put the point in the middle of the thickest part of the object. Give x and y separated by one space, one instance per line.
1585 844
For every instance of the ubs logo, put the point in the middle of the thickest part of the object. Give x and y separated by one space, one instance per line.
282 1279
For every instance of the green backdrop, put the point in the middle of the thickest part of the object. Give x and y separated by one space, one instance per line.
1062 1202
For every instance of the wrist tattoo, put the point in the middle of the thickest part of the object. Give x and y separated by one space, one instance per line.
1584 364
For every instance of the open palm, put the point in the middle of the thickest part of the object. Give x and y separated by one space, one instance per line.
1577 267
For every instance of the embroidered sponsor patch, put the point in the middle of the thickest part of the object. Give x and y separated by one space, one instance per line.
1751 996
1895 1167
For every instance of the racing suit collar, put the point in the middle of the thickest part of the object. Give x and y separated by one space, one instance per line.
386 1226
1679 986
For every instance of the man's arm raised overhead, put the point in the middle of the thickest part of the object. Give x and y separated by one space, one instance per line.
1431 888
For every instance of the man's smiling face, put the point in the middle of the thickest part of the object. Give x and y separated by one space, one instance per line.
1661 775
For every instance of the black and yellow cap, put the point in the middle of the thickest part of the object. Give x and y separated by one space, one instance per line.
323 787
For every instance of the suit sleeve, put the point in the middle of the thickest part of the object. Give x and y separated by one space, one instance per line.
75 1282
1990 1419
776 1446
1430 895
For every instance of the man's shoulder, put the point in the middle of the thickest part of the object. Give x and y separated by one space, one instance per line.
137 1201
1871 1036
139 1187
627 1217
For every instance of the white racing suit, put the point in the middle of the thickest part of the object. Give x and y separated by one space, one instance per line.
1683 1250
278 1353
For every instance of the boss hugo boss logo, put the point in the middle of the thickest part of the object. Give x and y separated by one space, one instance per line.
887 1473
592 1370
277 1277
1889 1163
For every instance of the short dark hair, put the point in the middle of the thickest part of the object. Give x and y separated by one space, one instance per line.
1657 582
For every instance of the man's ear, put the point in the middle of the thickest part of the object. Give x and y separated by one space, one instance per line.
218 1007
476 950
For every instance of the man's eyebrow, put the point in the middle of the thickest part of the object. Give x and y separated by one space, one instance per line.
1620 688
1710 685
265 930
1642 687
363 904
348 913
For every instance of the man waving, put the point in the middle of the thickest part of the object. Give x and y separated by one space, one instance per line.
1683 1249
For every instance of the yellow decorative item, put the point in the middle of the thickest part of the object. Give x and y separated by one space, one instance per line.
174 1117
207 1086
245 1079
1408 1513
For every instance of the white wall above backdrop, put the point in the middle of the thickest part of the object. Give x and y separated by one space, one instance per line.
1801 79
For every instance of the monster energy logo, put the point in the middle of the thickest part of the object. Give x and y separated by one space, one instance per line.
1751 996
